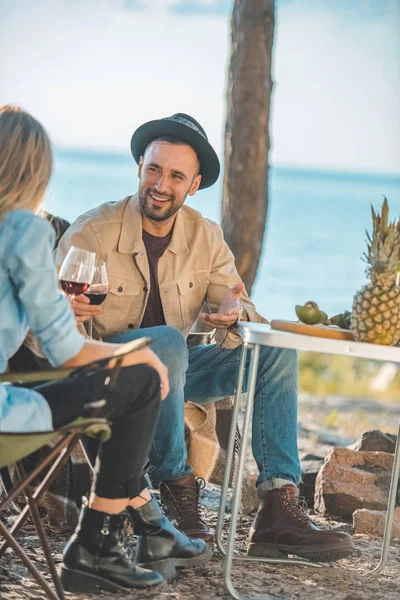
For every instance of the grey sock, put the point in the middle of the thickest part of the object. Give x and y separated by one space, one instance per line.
272 484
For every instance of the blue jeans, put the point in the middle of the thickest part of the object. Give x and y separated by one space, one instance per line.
207 373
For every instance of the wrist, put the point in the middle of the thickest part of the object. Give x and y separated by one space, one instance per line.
235 326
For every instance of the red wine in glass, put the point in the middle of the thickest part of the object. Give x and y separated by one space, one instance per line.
96 298
74 288
98 290
76 272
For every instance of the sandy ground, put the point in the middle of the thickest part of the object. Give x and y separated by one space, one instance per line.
345 580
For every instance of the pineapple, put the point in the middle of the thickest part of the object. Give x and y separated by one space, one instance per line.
375 316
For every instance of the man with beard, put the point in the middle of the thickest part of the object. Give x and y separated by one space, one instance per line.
164 262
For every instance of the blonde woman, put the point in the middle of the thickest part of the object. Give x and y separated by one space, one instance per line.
97 554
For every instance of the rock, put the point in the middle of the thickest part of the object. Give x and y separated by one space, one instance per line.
330 439
310 466
249 494
321 436
345 527
375 441
372 522
350 480
309 457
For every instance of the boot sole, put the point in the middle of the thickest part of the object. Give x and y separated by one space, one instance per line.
76 581
321 553
168 566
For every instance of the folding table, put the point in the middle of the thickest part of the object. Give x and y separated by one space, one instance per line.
255 335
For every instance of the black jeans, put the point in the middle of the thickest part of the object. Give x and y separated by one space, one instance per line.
132 408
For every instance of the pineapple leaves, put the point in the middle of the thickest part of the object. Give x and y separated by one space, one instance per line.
383 247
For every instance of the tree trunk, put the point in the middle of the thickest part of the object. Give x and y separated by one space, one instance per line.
245 190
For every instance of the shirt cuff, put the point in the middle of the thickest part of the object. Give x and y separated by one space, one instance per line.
64 348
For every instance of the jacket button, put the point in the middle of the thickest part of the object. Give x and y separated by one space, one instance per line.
120 289
130 326
145 289
190 284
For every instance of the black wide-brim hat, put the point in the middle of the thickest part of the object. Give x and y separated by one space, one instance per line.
189 131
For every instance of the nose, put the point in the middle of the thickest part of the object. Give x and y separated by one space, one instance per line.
161 184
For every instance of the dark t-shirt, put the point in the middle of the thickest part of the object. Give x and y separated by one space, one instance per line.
155 247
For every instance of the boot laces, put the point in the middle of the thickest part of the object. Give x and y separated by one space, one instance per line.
123 533
297 507
189 499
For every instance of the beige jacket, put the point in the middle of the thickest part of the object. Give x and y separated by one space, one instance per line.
197 267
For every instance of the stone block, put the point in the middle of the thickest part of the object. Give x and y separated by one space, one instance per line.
350 480
310 466
375 441
372 522
249 494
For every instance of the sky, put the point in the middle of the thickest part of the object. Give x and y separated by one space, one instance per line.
94 70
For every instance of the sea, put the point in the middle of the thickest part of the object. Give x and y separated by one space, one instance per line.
315 232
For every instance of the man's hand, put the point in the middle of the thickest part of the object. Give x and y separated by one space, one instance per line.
82 308
228 311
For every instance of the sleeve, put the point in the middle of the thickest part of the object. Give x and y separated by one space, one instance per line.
81 235
34 276
224 276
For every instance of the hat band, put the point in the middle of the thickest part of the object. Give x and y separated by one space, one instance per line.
186 122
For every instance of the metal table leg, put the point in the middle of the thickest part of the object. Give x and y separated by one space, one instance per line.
231 449
255 351
390 510
237 494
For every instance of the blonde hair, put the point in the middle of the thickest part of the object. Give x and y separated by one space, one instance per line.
25 161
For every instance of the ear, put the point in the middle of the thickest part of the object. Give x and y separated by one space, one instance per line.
140 167
195 185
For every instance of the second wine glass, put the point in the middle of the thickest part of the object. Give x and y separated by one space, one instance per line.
98 289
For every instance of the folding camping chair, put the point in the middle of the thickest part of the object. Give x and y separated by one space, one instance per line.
15 446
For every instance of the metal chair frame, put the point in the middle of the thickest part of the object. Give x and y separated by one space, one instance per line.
61 452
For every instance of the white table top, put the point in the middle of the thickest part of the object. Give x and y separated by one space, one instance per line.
263 335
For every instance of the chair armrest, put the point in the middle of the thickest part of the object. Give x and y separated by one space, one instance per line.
63 372
32 376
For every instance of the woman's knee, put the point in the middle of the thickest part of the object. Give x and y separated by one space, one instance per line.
139 385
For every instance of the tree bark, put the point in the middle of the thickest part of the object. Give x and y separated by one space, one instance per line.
245 188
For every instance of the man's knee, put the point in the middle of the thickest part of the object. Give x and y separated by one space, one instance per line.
170 346
170 342
283 359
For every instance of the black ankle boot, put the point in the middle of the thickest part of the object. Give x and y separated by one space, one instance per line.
160 546
97 556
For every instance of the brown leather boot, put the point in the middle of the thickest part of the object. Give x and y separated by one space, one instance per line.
180 499
282 526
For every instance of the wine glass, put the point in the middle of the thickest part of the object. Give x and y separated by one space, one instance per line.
98 289
76 272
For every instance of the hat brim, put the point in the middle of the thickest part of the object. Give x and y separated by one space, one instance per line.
209 162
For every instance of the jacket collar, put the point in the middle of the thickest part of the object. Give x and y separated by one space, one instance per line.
130 239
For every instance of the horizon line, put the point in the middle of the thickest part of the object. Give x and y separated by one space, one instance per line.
299 169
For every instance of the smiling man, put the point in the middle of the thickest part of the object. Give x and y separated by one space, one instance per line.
165 261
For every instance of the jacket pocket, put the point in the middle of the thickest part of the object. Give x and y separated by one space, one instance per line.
192 291
123 303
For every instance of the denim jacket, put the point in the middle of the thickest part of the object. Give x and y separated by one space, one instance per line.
197 267
30 299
